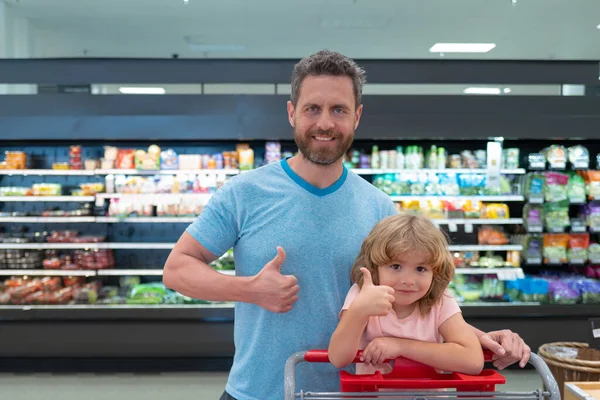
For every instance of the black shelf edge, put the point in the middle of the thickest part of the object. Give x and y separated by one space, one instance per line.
193 314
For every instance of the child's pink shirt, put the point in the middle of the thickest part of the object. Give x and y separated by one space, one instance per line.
415 326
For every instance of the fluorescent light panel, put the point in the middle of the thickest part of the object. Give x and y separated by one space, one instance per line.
142 90
482 90
462 47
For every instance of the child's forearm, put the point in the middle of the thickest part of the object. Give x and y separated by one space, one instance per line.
345 341
450 357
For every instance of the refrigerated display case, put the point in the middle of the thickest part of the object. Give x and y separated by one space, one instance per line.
89 222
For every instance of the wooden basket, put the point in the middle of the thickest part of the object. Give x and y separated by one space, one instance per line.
584 368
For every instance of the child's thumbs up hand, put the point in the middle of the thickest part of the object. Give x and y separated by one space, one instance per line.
373 300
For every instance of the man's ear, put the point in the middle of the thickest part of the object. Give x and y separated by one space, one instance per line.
291 113
357 115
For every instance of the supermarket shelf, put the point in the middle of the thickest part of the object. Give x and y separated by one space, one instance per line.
475 221
41 172
47 198
464 198
484 247
45 272
84 172
224 311
163 220
503 273
166 172
153 196
47 220
371 171
75 246
145 272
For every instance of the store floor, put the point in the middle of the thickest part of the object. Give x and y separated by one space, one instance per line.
172 386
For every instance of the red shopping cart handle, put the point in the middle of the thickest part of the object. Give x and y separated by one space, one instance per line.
322 356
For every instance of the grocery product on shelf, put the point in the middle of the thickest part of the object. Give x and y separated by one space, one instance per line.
75 161
556 187
556 216
555 248
576 189
578 245
14 160
492 235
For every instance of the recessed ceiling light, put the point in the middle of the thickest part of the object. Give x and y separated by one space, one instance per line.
506 90
462 47
142 90
598 26
482 90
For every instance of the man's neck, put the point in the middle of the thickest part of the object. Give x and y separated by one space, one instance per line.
317 175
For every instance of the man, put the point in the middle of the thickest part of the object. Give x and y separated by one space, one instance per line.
296 227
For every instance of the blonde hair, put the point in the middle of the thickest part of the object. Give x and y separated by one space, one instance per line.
401 234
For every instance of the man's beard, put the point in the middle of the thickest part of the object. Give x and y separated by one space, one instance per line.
323 156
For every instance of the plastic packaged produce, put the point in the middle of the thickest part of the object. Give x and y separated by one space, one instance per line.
510 159
592 214
594 253
169 160
555 248
578 245
534 217
534 187
556 156
576 191
534 290
579 157
492 235
556 216
556 188
561 293
492 289
496 211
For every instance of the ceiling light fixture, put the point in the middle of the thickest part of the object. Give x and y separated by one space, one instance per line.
482 90
142 90
462 47
598 26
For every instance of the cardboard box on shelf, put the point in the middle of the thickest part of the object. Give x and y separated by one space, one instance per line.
582 391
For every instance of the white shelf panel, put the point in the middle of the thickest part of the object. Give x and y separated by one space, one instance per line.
166 172
42 172
154 220
145 272
502 273
483 247
154 196
458 198
457 221
47 220
78 246
80 199
45 272
371 171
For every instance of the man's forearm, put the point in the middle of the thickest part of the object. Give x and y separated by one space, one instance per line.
194 278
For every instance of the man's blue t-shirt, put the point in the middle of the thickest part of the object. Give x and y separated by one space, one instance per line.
321 231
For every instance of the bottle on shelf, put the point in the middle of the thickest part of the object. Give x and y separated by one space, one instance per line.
432 159
375 157
441 158
400 159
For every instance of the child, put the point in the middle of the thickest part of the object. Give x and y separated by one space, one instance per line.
398 305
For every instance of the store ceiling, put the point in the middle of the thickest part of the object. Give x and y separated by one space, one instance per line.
529 29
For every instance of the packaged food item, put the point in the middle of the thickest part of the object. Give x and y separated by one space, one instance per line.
556 188
169 160
556 216
533 215
75 160
592 214
594 253
537 161
579 157
556 156
555 248
592 180
510 159
534 187
578 245
492 235
125 159
496 211
576 189
15 160
561 293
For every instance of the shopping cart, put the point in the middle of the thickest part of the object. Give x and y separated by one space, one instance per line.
412 380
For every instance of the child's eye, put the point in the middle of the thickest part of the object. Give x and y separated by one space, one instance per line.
421 269
395 266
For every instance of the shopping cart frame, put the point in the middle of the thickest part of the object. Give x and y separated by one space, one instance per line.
551 392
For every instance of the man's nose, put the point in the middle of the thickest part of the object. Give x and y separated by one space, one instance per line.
325 122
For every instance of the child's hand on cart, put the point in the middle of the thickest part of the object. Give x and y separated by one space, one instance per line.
373 300
381 349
